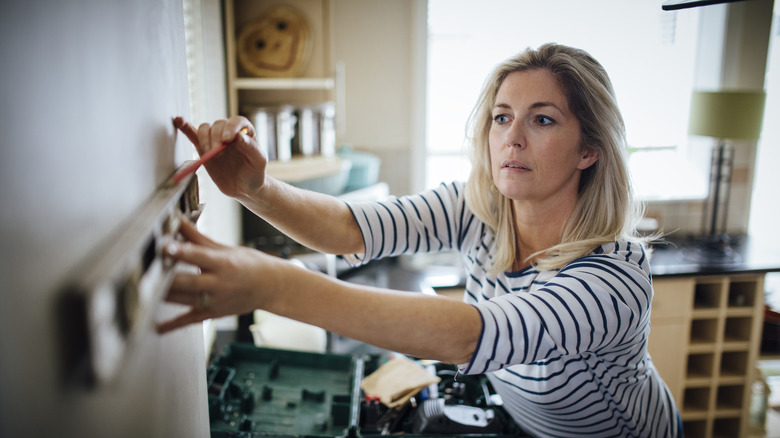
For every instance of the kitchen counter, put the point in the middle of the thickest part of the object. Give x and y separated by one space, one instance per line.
681 256
678 256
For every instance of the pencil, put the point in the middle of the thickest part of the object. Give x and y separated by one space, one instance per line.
180 175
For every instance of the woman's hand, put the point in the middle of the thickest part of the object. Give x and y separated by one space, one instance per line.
238 171
237 280
232 280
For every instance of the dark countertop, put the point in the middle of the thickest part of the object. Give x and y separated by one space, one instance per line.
679 256
683 256
391 273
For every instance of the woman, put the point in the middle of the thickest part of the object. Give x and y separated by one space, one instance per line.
557 303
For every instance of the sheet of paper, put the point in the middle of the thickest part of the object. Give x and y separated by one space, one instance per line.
396 381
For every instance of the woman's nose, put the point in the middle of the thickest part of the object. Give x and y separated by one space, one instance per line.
515 137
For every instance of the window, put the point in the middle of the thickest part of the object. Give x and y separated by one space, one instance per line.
648 53
764 208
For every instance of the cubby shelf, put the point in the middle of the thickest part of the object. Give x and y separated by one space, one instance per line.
315 85
317 82
707 347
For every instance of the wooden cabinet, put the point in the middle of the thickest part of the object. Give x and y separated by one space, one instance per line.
704 341
317 82
315 85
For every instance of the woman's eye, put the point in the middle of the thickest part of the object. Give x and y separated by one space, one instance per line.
544 120
501 119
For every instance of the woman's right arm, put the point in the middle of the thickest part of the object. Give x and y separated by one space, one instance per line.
321 222
237 280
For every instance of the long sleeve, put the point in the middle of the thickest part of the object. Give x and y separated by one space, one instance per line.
426 222
598 303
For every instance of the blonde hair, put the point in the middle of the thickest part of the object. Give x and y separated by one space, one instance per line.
605 210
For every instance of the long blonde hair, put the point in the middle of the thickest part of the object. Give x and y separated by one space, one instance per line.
605 210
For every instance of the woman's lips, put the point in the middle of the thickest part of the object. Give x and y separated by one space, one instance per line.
512 164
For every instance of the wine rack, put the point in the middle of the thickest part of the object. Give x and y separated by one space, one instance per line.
704 341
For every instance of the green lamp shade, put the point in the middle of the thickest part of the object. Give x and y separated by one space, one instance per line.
727 114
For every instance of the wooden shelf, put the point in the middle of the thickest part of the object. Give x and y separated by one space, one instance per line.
304 168
284 83
315 84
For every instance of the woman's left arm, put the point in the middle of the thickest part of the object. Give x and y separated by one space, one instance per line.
239 280
598 303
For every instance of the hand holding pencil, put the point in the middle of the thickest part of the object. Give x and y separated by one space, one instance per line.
180 175
229 152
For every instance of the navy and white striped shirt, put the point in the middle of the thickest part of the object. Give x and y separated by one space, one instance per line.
566 350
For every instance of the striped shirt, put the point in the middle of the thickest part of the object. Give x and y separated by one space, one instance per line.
567 349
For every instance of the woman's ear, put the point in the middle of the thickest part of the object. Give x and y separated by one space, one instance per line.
589 156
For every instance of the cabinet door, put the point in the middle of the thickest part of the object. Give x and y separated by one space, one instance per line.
673 298
669 331
667 346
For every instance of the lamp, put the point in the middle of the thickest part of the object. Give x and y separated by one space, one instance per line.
725 115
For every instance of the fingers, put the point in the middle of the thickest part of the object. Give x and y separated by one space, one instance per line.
207 136
186 298
210 135
249 146
195 250
225 131
186 288
194 254
188 318
189 290
182 297
233 128
188 130
190 232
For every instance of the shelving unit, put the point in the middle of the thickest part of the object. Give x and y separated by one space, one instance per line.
705 338
317 84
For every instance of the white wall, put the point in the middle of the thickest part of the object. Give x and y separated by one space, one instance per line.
744 67
739 62
88 91
380 44
765 206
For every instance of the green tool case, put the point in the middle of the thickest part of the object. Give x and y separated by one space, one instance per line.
262 392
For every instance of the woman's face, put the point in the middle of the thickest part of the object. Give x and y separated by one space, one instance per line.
535 140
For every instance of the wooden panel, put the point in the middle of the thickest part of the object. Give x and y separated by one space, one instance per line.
670 331
668 347
317 13
672 298
315 84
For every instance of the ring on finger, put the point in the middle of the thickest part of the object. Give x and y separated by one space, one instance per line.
204 301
